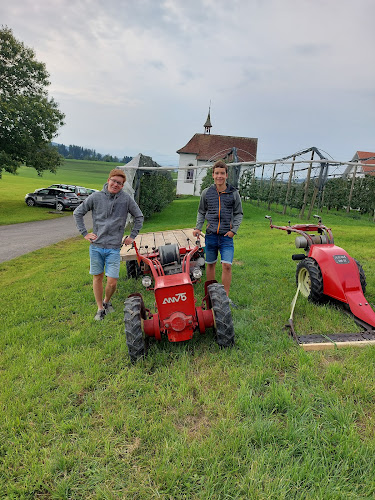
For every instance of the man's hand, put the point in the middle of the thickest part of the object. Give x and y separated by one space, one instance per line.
90 237
197 233
230 234
126 240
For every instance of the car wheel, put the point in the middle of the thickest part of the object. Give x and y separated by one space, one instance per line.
310 279
30 202
223 323
133 328
59 206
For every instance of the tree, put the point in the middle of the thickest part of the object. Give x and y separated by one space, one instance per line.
207 180
29 119
157 191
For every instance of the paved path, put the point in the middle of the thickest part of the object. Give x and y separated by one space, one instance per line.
19 239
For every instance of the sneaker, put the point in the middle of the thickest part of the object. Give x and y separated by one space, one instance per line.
99 315
108 307
232 304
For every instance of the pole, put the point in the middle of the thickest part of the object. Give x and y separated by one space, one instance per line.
302 213
289 184
351 190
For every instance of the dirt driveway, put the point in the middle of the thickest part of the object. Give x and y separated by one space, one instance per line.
19 239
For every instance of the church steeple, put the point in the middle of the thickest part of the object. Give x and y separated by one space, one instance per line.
207 125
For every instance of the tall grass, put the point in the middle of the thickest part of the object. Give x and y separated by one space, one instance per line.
264 420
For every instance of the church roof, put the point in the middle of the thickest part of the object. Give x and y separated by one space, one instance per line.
209 146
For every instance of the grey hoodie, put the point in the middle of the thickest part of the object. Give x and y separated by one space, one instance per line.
109 214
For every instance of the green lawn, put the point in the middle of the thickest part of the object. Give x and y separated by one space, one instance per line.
13 188
264 420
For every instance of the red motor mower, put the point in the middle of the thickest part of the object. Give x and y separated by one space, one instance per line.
170 270
325 272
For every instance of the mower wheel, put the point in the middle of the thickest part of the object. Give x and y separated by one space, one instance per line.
132 269
133 328
223 323
362 276
310 279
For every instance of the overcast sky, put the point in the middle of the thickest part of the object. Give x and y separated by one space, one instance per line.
137 76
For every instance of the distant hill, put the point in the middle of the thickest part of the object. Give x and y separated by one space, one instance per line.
74 152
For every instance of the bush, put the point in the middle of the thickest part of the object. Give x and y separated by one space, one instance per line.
157 190
207 180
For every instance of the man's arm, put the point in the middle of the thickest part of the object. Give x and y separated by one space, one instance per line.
237 212
136 212
201 216
78 214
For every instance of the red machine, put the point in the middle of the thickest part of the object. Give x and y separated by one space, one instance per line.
170 271
327 271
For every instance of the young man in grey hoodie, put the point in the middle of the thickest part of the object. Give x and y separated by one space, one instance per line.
110 208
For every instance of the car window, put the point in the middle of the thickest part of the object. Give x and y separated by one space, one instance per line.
42 191
69 195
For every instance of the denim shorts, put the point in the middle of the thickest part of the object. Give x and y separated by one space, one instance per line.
218 243
108 258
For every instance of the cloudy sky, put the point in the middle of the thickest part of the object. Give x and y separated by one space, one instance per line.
137 76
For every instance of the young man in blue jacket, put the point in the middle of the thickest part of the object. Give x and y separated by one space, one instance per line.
220 205
110 208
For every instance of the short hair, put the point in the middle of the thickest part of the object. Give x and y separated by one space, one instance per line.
220 164
117 172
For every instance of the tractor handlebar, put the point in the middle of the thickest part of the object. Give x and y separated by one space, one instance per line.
304 229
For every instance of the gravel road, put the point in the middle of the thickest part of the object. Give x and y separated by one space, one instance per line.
19 239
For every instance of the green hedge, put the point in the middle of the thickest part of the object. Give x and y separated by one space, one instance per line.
157 190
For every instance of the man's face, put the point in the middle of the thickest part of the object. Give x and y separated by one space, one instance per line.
220 177
115 184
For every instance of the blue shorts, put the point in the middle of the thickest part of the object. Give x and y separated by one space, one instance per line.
216 243
108 258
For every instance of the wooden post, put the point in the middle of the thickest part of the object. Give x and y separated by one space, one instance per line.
351 190
271 186
302 213
261 185
315 193
289 184
323 193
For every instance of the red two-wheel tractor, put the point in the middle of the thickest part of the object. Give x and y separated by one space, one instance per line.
170 271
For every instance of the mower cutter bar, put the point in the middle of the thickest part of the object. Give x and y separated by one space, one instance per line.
320 342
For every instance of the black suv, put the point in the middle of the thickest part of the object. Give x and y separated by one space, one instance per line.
61 199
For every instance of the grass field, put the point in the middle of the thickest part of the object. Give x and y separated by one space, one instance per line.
13 188
264 420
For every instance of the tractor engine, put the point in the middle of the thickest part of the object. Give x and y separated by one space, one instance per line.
175 302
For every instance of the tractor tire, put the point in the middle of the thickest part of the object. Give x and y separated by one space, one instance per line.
362 276
132 269
133 328
309 276
223 323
